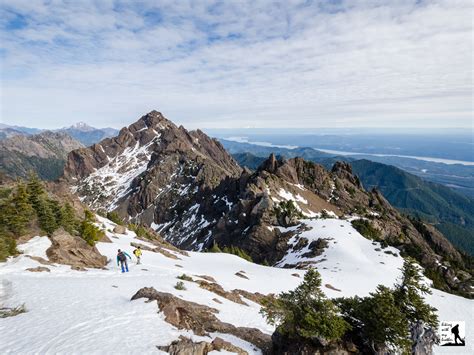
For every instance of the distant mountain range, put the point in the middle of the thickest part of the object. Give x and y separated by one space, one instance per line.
44 153
82 132
451 212
24 149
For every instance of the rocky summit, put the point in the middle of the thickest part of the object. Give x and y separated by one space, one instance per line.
185 186
148 168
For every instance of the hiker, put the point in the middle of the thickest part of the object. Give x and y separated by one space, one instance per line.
122 259
455 331
138 253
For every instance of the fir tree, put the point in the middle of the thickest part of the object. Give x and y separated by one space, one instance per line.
383 322
68 220
22 210
89 232
46 216
35 189
306 312
409 295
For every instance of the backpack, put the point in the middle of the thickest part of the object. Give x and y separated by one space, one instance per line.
121 256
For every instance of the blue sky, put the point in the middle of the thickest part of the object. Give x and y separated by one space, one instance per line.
235 64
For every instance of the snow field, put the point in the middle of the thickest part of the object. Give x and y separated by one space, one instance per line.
90 312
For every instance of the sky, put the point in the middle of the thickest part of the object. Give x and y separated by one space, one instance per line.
238 64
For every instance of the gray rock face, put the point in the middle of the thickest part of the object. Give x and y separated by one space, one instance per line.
423 338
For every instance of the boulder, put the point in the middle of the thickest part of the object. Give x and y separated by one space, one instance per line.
185 346
38 269
120 229
74 251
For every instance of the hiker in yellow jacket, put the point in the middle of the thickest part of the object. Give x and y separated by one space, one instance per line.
138 253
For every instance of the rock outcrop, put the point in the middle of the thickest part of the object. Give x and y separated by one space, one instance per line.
74 251
185 346
199 318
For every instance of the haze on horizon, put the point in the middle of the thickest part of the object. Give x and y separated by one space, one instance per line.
219 64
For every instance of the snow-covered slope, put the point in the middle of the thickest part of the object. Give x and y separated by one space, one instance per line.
90 312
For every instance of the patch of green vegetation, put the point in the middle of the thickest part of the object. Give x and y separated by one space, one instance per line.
141 231
114 217
185 277
305 312
386 315
365 228
180 286
287 211
28 204
230 250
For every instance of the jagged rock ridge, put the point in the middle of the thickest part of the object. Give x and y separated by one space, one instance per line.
149 167
185 186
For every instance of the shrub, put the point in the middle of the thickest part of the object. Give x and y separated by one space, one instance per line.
215 248
286 211
114 217
185 277
180 286
237 251
305 312
365 228
141 231
89 216
89 232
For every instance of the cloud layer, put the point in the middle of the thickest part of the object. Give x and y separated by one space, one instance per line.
239 63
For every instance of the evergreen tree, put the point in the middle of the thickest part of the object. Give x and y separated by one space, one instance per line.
35 189
19 211
215 248
409 295
46 216
68 220
306 312
89 216
383 321
378 318
89 232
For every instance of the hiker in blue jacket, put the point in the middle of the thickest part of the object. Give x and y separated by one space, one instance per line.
122 259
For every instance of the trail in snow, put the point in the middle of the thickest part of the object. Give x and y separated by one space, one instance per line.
90 312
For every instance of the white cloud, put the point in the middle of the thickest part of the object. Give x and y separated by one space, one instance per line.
237 64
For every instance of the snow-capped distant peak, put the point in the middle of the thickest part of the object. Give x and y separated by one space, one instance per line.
81 126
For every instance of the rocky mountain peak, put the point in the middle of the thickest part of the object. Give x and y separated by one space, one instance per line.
154 120
81 126
271 164
150 160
